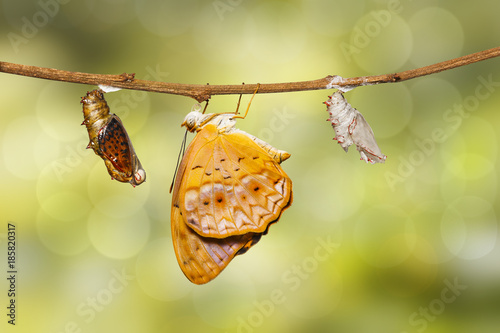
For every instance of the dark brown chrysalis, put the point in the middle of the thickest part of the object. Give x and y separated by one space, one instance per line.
109 140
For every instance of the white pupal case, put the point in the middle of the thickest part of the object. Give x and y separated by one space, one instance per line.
351 128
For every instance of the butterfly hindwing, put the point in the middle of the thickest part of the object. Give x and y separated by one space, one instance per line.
200 258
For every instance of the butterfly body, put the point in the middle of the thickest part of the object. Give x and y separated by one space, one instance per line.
230 188
109 140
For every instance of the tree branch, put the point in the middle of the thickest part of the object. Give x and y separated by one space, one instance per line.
203 92
422 71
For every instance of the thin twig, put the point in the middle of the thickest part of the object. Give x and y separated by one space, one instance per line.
422 71
204 92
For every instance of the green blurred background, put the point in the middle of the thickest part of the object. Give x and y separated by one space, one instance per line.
408 246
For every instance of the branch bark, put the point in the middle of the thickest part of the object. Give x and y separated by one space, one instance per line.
203 92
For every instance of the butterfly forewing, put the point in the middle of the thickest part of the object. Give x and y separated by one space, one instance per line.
114 143
240 194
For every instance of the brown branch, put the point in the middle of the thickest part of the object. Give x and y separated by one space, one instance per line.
431 69
204 92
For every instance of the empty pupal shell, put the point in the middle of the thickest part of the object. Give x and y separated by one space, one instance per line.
351 128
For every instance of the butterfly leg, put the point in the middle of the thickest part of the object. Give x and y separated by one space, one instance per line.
238 105
205 108
249 103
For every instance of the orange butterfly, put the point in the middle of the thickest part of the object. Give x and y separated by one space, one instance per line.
109 140
229 189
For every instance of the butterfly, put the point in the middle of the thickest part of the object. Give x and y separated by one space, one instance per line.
229 189
109 140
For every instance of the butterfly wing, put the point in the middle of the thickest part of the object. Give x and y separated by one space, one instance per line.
115 146
202 258
226 194
232 186
119 154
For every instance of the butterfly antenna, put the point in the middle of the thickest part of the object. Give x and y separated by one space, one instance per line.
181 154
249 103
